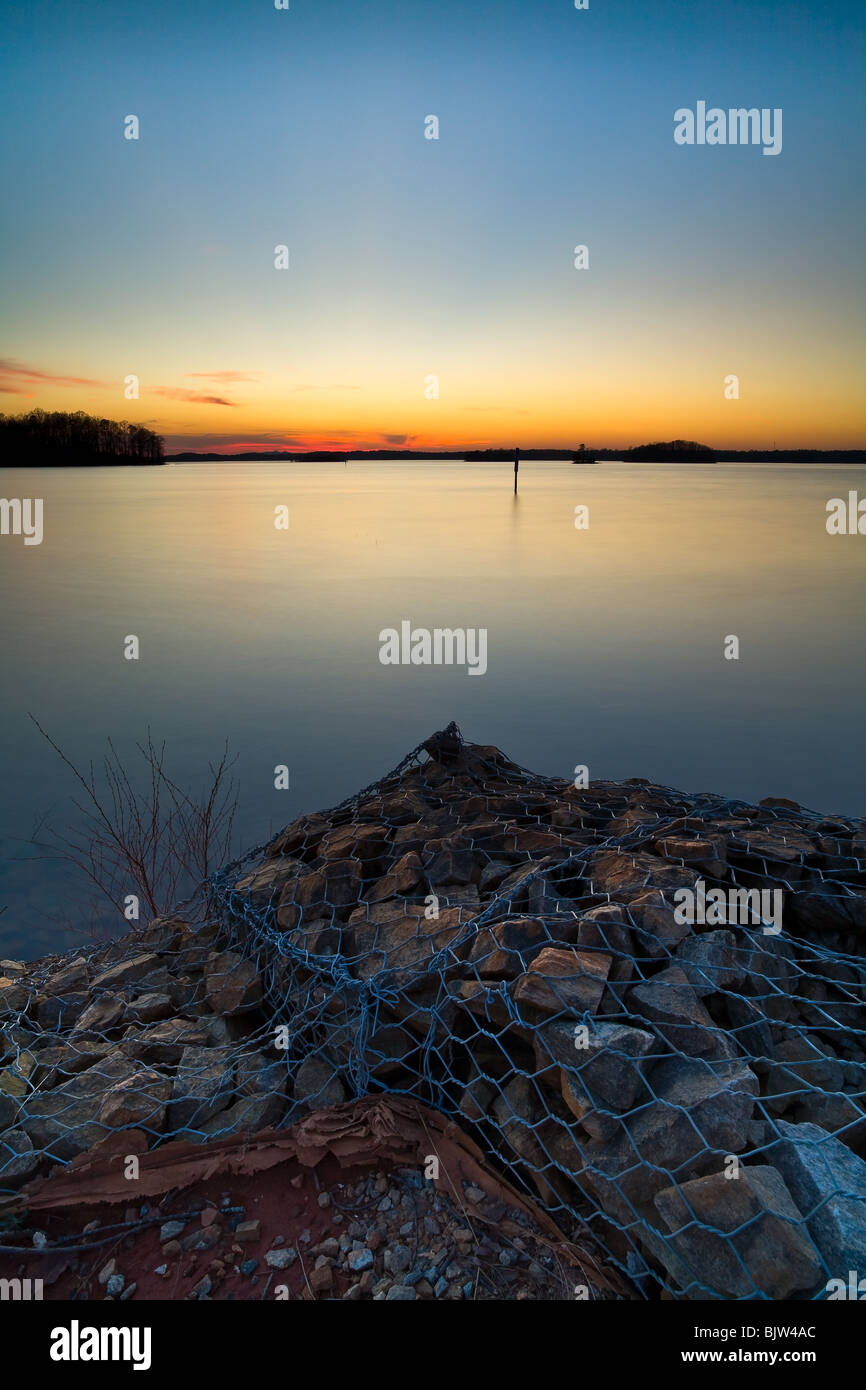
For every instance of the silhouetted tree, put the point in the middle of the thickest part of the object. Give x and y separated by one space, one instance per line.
76 439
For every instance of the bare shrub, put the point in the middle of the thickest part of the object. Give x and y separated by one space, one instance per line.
144 835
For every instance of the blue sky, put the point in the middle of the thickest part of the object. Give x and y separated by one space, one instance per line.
453 257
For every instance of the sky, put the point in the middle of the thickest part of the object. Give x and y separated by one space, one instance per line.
413 258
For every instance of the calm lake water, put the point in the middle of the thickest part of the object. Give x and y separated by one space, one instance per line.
605 645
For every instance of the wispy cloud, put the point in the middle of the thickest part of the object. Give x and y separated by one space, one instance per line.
178 393
13 375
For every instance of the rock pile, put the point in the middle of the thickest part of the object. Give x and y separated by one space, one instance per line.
513 951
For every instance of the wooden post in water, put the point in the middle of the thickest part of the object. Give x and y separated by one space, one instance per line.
516 466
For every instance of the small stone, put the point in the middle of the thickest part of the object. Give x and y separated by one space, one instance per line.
281 1259
114 1284
203 1287
324 1199
169 1229
107 1270
322 1280
248 1231
249 1267
399 1293
202 1239
401 1259
161 1270
128 1292
359 1260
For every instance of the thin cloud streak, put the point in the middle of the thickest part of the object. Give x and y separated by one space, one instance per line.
178 393
10 368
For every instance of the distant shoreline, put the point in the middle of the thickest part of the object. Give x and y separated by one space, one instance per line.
526 456
828 456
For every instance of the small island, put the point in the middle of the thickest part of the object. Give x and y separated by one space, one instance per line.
674 451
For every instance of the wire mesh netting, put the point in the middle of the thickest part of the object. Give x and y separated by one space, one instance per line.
645 1006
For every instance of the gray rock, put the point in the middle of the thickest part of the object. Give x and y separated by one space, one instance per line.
669 1001
57 1011
828 1183
700 1112
149 1008
65 1121
398 1259
711 961
249 1113
807 1066
740 1237
125 972
170 1229
69 978
282 1258
18 1159
202 1086
8 1111
840 1115
657 928
260 1075
316 1084
749 1027
607 1067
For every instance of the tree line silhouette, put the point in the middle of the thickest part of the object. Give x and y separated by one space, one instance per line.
75 438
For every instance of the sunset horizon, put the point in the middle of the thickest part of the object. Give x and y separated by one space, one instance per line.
381 207
433 557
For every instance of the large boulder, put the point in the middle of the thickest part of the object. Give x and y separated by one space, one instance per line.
740 1237
232 983
828 1183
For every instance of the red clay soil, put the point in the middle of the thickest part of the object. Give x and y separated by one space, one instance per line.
284 1200
354 1172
